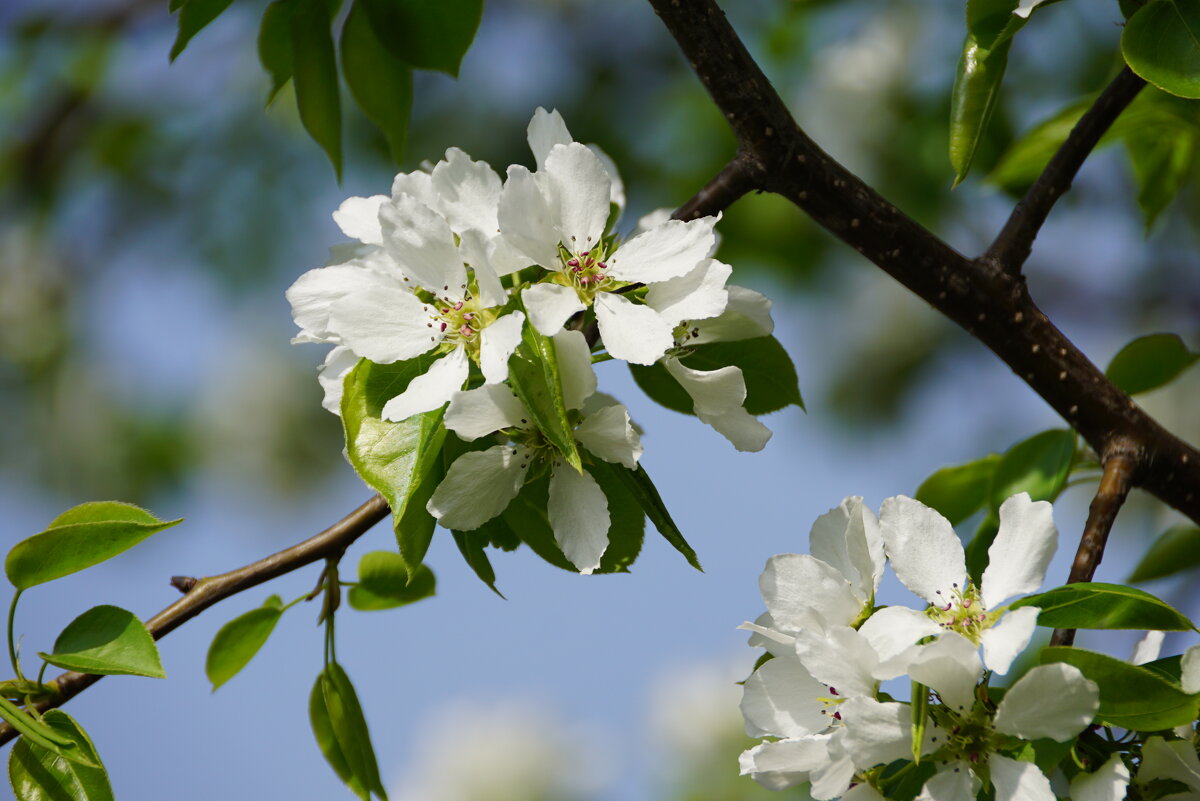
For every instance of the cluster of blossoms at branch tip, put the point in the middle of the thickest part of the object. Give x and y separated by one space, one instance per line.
457 266
816 693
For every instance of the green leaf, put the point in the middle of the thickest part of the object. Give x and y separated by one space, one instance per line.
41 774
107 641
239 640
194 15
1104 606
429 35
1149 362
973 99
350 728
1161 43
977 548
402 461
534 376
1131 696
384 582
470 545
275 44
380 83
1028 156
960 491
1038 465
323 731
920 709
1176 549
661 387
37 732
81 537
642 489
1162 162
992 22
316 78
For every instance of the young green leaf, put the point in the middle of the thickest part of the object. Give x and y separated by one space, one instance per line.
1038 465
275 44
973 99
314 71
428 35
402 461
1161 43
36 731
959 491
1162 162
194 15
41 774
107 641
661 387
770 375
327 741
1131 696
471 546
81 537
239 640
380 83
1149 362
535 379
1104 606
992 22
642 489
1176 549
350 728
384 582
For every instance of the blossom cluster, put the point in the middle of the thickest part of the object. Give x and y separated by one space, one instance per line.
459 267
817 696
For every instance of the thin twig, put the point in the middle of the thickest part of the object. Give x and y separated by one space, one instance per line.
1121 461
1013 244
208 591
734 180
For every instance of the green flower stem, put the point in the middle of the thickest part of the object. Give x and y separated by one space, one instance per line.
12 646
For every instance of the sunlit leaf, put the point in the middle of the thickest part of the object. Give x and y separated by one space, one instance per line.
1104 606
1149 362
960 491
384 582
1161 43
239 640
107 640
534 375
41 774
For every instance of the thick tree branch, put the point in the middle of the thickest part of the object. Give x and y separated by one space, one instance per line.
992 304
1012 246
205 592
1120 467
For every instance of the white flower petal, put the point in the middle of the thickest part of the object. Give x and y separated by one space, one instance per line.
1191 670
431 390
786 763
848 537
1018 781
653 219
876 733
358 217
417 184
841 658
862 792
528 219
780 699
893 629
546 130
697 295
925 551
1109 783
580 186
954 782
764 635
631 332
550 306
747 315
332 377
578 512
1054 701
314 293
668 251
478 486
496 345
1025 7
478 412
950 665
1173 759
616 194
421 241
468 193
1023 547
742 429
1007 638
711 391
1148 648
475 249
574 368
832 780
795 587
609 434
385 324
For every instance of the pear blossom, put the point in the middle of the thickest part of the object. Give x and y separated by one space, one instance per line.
928 559
426 278
557 217
480 484
1110 782
1174 760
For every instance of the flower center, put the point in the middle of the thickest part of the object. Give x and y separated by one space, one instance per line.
461 321
831 702
587 270
963 612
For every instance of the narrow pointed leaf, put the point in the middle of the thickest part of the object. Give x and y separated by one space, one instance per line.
385 582
973 99
1131 696
534 376
239 640
959 491
322 726
1104 606
1176 549
79 538
1161 43
35 731
1149 362
920 707
41 774
194 15
275 44
429 35
316 77
107 641
639 485
471 546
350 728
380 83
402 461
